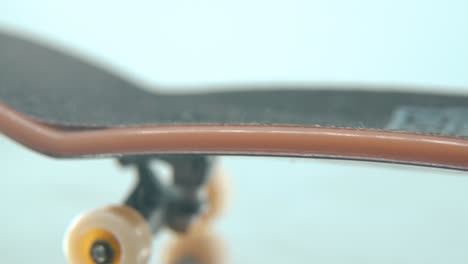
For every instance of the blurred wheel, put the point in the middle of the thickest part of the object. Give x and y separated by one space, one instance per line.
195 249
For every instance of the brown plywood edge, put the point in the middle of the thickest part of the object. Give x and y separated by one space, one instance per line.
342 143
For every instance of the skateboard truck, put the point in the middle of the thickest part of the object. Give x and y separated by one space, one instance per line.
122 234
175 205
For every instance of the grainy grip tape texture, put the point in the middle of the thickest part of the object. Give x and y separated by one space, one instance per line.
63 90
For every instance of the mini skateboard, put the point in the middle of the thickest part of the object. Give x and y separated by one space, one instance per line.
64 107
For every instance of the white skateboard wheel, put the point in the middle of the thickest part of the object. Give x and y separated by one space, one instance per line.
111 235
216 195
199 245
196 248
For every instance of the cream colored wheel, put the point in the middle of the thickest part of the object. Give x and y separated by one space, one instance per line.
217 193
195 248
200 245
111 235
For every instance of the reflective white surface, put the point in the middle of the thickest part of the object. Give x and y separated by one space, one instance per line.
280 209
